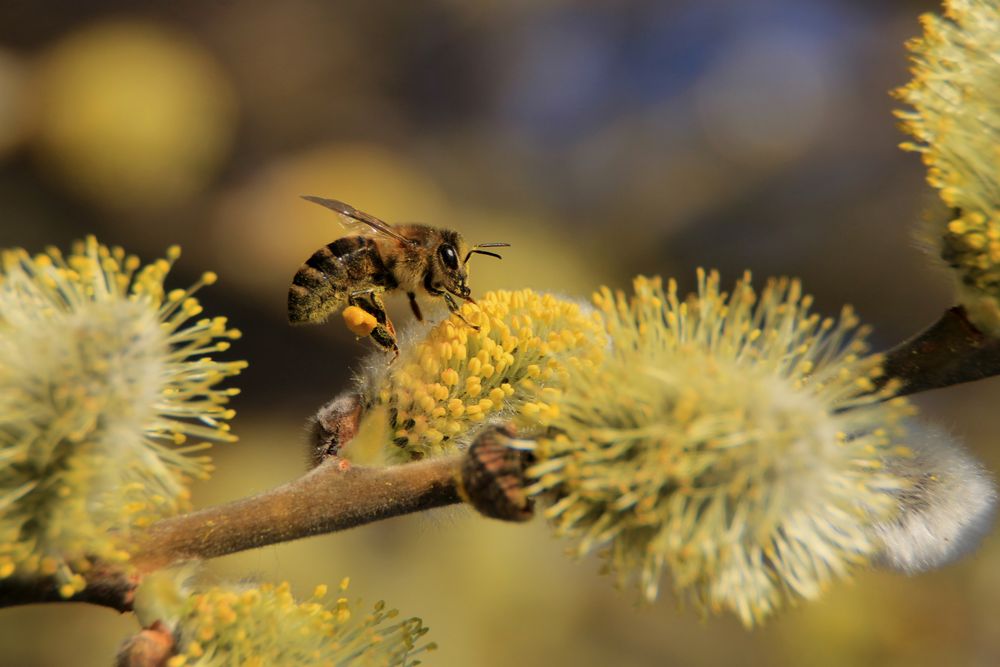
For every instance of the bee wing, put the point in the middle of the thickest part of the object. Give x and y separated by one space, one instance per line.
352 217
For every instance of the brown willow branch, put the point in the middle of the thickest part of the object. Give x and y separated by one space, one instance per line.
951 351
106 587
333 496
328 498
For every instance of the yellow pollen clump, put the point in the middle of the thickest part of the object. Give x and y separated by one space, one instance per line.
444 387
359 322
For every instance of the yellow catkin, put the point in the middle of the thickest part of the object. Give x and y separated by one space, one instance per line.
692 428
448 384
265 625
105 373
954 118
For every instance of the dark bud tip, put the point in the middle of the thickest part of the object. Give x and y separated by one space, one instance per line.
151 647
493 477
333 426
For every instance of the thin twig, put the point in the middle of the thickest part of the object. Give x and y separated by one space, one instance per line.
330 497
106 587
951 351
333 496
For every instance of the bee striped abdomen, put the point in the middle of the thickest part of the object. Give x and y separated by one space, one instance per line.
321 285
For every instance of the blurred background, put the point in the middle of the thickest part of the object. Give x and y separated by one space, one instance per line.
601 140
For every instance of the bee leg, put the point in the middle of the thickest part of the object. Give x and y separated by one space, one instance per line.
415 307
385 338
384 334
369 301
453 307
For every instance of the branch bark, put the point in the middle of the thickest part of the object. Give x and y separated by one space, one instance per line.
333 496
106 587
951 351
329 498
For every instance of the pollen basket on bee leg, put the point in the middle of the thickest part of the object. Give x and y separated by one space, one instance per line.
359 322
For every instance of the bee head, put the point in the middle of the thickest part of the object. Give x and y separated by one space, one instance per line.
451 259
450 272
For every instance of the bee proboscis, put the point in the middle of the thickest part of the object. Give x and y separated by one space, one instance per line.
356 270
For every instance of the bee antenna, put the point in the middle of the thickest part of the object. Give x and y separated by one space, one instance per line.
476 250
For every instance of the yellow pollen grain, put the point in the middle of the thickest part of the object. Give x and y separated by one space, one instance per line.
865 384
48 566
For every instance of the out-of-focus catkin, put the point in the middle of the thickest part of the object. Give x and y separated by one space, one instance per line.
955 123
106 398
262 624
736 441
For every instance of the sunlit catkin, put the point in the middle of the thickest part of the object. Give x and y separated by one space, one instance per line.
447 385
262 625
955 121
104 377
735 441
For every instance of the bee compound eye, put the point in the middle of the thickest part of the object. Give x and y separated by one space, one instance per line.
449 256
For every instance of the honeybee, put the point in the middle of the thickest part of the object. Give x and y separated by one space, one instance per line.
356 270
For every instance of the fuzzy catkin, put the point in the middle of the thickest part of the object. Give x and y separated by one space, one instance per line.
103 379
263 624
446 386
954 120
735 441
